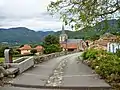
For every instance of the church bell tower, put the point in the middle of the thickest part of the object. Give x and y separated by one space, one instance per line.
63 37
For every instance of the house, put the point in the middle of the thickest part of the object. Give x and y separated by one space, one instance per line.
39 49
25 50
112 47
71 44
104 41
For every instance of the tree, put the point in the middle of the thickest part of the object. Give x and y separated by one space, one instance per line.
33 51
52 48
51 39
21 46
2 48
118 23
95 37
51 44
79 13
18 50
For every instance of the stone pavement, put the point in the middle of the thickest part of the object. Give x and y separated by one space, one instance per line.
74 76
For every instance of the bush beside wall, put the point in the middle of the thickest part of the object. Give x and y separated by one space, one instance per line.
106 64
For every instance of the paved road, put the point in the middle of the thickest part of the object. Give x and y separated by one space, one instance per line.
65 70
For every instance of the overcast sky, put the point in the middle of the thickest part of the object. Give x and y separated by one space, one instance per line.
27 13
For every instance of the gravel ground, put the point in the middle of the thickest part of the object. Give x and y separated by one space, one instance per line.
5 81
56 78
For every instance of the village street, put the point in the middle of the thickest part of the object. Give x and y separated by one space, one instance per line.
66 72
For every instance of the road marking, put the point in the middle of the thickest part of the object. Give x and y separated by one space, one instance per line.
80 75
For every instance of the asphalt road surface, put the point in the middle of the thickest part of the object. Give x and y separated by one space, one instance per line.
65 72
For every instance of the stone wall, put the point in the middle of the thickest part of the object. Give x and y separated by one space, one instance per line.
42 58
30 61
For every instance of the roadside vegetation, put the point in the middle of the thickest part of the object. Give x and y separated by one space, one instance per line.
106 64
15 53
51 44
1 60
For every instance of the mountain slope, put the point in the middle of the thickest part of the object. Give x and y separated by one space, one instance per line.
25 35
111 26
21 35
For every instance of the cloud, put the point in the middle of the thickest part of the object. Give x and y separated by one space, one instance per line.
27 13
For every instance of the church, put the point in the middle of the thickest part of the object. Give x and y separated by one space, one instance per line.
71 44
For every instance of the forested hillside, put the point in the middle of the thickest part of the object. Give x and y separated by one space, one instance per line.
25 35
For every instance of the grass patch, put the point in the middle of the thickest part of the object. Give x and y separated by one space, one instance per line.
2 59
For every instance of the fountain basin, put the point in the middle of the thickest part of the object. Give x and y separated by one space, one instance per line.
22 64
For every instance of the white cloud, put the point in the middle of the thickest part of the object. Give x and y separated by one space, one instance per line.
27 13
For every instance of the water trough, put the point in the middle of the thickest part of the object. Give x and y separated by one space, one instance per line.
22 64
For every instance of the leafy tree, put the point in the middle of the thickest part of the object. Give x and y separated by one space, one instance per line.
51 44
18 50
21 46
118 53
51 39
2 48
76 37
33 51
118 23
95 37
52 48
15 52
79 13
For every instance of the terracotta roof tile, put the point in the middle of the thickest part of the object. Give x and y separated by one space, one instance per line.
39 48
69 46
26 47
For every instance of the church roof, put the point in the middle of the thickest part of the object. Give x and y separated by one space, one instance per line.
72 41
69 46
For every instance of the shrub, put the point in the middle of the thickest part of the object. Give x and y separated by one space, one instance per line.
118 52
84 55
52 48
105 64
2 48
33 51
15 53
90 54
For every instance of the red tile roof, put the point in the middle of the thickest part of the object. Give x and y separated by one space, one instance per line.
69 46
39 48
26 47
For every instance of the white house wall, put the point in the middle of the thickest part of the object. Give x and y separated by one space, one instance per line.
25 51
112 47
